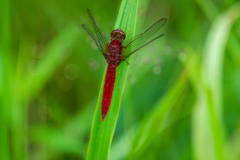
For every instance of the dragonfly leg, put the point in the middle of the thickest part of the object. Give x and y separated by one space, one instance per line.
126 61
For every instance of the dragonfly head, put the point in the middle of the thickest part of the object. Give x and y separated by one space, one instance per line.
118 34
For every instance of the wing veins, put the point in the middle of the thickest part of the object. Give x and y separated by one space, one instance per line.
124 56
145 35
102 41
93 38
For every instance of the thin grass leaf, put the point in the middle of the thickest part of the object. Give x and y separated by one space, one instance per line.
6 77
102 132
154 123
148 132
207 115
209 8
4 112
54 55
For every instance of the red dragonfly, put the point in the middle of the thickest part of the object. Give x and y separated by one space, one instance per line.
114 52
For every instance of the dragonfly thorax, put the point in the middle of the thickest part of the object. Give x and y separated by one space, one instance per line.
114 52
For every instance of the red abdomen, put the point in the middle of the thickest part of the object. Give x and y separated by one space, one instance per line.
108 88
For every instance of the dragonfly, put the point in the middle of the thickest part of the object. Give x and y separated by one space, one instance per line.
114 52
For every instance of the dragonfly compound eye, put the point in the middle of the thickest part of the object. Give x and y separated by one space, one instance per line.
118 32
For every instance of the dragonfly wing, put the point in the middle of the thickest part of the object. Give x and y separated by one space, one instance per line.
124 56
94 39
102 41
141 39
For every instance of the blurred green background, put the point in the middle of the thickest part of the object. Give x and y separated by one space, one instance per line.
181 98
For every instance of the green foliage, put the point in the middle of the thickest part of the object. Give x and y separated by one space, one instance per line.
178 99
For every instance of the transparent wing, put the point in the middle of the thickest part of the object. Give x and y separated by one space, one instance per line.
100 38
95 40
124 56
141 39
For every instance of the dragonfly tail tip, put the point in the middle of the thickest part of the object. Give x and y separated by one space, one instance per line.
103 117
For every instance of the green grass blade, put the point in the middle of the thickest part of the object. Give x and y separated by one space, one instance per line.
34 81
152 126
207 115
6 76
54 55
102 132
161 115
209 8
148 132
4 113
